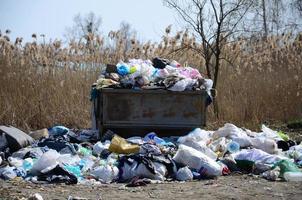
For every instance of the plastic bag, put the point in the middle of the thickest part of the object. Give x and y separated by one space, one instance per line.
121 146
86 164
256 155
183 84
198 139
128 170
289 170
231 131
219 145
228 131
38 134
271 175
47 162
184 174
135 140
269 133
295 152
265 144
58 130
28 164
123 68
98 148
201 147
155 138
286 166
208 84
189 72
139 169
75 170
283 136
16 162
244 141
8 173
162 73
68 159
105 174
197 161
196 135
160 171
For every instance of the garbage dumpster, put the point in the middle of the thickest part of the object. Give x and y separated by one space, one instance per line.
131 112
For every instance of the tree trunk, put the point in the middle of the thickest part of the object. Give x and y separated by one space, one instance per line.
264 18
215 102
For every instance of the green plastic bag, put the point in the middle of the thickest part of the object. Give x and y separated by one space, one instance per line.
283 136
286 166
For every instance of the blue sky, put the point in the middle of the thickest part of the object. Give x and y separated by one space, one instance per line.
51 17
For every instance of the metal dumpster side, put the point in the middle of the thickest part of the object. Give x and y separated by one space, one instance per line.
137 112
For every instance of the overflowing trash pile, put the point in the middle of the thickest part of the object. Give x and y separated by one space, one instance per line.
62 155
156 74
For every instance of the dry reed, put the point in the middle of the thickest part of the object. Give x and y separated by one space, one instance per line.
47 84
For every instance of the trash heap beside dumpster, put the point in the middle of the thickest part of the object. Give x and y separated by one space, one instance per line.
63 155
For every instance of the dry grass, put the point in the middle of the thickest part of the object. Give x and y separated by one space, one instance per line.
47 84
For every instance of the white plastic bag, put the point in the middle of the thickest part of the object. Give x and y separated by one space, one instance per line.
256 155
16 162
244 141
128 171
230 131
8 173
269 133
98 148
184 174
139 169
219 144
183 84
208 84
196 135
160 171
198 139
265 144
68 159
105 174
196 160
201 147
47 162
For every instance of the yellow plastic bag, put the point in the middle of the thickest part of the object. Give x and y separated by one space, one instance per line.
121 146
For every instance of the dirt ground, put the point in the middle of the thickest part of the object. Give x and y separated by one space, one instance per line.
226 187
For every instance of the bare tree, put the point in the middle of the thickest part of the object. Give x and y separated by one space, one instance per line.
121 40
272 17
213 23
297 4
127 34
263 5
84 27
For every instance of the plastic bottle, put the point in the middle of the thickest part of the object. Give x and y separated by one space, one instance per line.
293 176
233 147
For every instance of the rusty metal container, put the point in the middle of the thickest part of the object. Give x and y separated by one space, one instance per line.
138 112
